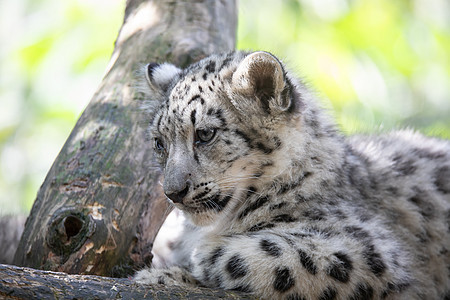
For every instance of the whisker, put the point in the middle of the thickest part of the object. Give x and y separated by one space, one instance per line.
168 210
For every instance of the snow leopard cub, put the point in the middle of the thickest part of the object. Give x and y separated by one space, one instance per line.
284 206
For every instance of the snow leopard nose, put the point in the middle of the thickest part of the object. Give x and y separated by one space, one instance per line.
177 196
178 173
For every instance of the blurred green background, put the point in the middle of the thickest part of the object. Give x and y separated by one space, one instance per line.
377 65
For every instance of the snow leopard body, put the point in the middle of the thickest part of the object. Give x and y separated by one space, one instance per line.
282 205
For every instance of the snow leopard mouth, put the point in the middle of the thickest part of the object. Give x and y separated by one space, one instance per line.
206 203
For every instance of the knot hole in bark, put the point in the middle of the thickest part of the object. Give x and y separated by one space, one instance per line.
68 230
72 226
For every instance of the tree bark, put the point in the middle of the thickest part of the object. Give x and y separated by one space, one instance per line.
26 283
101 204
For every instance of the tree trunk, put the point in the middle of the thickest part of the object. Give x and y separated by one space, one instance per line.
101 204
26 283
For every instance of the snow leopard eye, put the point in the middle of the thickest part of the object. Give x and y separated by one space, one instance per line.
158 145
203 136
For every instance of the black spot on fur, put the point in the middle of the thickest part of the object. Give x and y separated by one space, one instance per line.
393 190
223 202
193 112
205 75
312 121
228 142
283 280
307 262
328 294
216 281
215 255
246 139
254 206
270 248
278 206
194 98
363 214
442 180
261 226
374 260
426 208
404 166
251 190
301 199
363 292
292 185
338 213
263 148
393 288
219 115
216 203
211 66
354 170
236 267
358 179
161 280
429 154
201 195
277 142
206 274
284 218
322 233
340 268
314 214
226 61
196 157
357 232
302 234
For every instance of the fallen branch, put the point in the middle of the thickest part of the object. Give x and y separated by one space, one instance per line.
27 283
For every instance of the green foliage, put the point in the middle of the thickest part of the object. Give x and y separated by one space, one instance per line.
382 64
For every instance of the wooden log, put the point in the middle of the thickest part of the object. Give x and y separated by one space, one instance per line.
101 204
27 283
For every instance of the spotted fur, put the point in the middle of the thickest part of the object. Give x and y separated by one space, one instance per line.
282 205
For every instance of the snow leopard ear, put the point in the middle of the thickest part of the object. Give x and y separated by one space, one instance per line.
260 77
159 76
